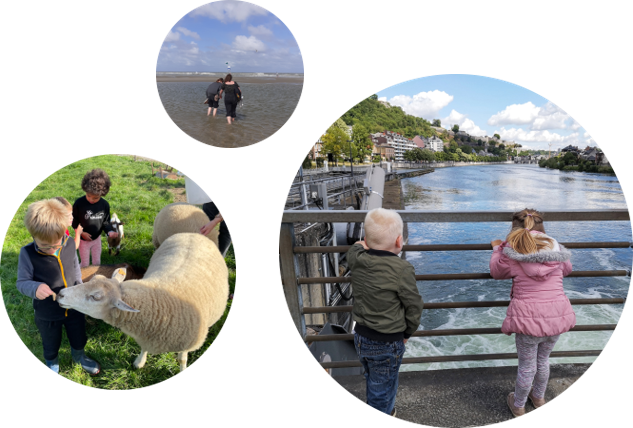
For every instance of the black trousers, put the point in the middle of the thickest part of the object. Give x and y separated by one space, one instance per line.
51 332
231 105
224 238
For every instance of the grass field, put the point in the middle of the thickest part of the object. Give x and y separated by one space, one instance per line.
136 197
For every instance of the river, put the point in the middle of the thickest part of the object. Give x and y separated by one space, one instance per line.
512 188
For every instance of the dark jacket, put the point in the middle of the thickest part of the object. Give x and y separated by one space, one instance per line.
56 271
387 304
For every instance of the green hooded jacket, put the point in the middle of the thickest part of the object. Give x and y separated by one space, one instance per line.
386 297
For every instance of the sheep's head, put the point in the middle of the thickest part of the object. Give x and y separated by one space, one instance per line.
96 297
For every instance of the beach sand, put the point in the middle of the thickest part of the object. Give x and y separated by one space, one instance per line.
245 79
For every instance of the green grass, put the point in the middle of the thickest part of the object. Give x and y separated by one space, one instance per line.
136 197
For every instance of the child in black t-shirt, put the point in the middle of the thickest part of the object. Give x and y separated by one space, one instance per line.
92 212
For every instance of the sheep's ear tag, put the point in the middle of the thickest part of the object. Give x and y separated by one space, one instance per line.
119 275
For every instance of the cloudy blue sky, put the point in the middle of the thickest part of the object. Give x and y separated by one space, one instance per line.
485 106
248 37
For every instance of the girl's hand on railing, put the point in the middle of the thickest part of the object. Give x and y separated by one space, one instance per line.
496 242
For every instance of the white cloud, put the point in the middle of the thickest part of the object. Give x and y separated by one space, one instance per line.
172 36
516 114
575 126
194 50
251 43
260 31
229 11
549 116
469 127
424 104
465 124
189 33
541 139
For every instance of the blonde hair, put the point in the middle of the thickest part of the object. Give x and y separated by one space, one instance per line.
382 228
64 202
46 220
521 238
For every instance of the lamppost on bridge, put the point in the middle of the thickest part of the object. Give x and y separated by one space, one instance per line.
351 160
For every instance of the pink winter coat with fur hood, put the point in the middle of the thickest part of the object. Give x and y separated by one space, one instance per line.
538 305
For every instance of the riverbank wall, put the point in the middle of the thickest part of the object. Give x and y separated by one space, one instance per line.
447 164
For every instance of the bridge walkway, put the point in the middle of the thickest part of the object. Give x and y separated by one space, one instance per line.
463 397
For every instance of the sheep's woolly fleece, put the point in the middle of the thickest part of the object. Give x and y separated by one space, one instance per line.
180 217
183 293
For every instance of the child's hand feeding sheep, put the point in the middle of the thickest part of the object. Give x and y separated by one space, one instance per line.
183 293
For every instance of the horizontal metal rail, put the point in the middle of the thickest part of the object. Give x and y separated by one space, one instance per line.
458 276
458 247
453 332
461 305
292 283
453 358
342 216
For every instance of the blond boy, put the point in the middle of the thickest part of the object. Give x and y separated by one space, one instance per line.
387 305
45 266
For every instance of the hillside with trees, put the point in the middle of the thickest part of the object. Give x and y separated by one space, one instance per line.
371 116
376 117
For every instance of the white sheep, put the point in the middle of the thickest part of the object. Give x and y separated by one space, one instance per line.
183 293
180 217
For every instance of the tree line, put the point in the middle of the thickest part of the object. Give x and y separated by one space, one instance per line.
371 116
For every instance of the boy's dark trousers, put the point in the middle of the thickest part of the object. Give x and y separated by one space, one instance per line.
381 361
51 332
224 237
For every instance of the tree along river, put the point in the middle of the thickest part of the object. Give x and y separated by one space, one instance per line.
510 188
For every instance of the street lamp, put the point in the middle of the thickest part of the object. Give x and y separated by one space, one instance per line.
351 161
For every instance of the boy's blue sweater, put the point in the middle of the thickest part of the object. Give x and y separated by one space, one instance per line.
387 303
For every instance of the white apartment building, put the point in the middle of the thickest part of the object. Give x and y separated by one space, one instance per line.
435 144
400 144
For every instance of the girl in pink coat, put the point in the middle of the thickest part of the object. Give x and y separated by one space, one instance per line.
539 310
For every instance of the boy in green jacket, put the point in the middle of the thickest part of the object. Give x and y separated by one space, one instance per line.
387 305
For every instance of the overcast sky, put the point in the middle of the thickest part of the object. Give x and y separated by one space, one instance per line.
485 106
248 37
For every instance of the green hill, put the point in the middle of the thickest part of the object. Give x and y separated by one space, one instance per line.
377 117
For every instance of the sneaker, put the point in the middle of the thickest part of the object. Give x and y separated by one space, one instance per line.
393 412
516 411
92 367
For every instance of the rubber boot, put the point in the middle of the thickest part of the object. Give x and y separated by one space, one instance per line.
53 364
88 364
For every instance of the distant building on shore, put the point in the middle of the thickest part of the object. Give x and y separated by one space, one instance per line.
435 144
420 142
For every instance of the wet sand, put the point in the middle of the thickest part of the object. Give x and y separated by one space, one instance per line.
238 79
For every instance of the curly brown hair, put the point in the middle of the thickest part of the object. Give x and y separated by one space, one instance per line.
96 182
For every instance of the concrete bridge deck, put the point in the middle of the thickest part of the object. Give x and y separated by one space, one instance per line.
463 397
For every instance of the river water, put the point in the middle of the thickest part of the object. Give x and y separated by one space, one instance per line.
511 188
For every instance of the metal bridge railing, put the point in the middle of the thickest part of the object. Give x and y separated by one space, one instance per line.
292 283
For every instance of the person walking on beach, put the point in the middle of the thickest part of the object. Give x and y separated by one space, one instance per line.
232 97
213 96
387 305
539 311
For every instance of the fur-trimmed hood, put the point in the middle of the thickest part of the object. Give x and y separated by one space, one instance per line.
541 264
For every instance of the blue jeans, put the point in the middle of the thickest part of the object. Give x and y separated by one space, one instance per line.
381 361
